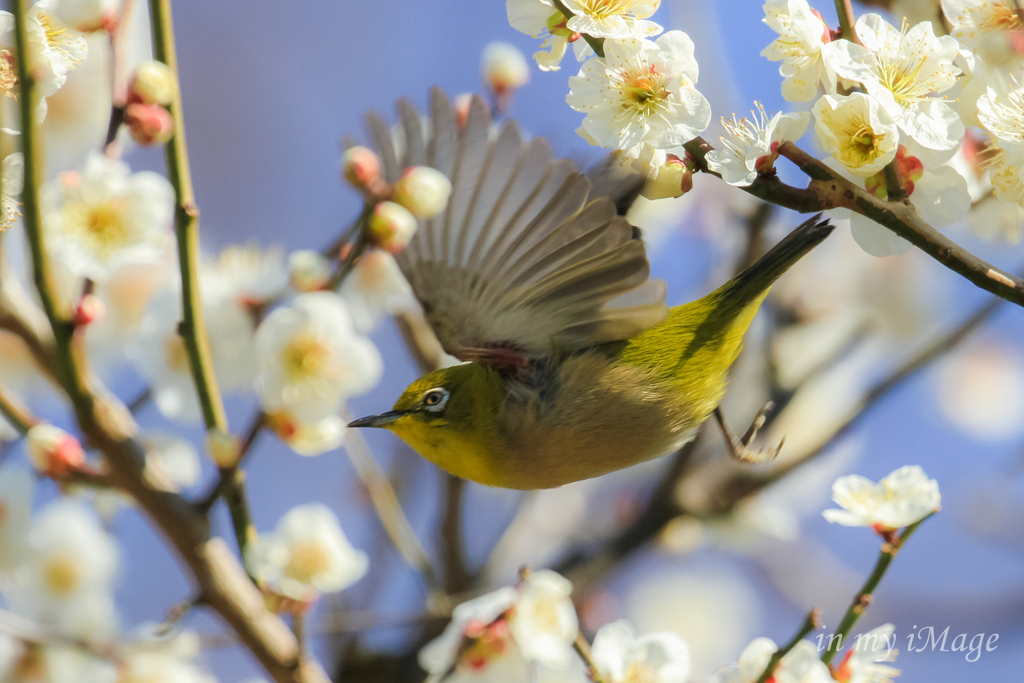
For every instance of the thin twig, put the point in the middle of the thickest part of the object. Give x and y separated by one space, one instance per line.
192 328
582 648
894 190
385 502
141 400
226 475
844 8
453 556
810 623
863 597
597 44
16 414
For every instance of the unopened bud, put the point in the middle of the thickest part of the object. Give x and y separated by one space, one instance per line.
503 68
462 104
360 166
674 179
308 270
53 451
90 309
390 227
423 190
225 449
150 124
154 83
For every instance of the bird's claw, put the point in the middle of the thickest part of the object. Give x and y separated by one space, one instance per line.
740 447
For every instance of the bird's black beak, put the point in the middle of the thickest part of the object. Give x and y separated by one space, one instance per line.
381 420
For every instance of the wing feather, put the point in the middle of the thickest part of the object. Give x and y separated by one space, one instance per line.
526 260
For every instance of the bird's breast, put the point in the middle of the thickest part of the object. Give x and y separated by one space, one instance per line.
590 416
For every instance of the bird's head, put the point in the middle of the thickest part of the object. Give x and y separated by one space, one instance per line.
450 417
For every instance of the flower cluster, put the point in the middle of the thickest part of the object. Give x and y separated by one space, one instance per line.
57 570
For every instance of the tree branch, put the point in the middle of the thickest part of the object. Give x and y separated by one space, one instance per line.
192 328
844 8
827 190
810 623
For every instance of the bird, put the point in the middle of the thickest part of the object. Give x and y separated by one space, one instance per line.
571 363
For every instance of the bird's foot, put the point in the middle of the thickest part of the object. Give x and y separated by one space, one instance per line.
740 447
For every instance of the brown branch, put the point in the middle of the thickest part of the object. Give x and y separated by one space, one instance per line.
827 190
453 557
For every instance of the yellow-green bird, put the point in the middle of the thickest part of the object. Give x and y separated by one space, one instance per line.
575 366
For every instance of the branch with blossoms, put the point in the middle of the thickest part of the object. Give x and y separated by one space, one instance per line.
880 115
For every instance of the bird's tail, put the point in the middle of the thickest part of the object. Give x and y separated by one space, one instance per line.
752 284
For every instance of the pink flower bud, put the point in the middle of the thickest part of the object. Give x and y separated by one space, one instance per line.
90 309
674 179
154 83
150 124
308 270
390 227
503 68
423 190
53 451
360 166
462 104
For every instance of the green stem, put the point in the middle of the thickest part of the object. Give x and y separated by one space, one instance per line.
193 328
846 20
810 623
596 43
16 414
69 371
863 597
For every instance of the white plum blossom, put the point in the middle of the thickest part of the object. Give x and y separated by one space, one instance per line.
481 624
492 634
250 275
1001 112
856 131
376 287
16 488
544 625
311 358
903 70
620 657
613 18
541 18
503 69
85 15
751 145
309 438
160 354
985 27
804 46
904 497
171 462
981 391
105 216
309 270
865 661
67 580
13 172
54 48
306 554
800 665
641 94
597 18
161 659
939 195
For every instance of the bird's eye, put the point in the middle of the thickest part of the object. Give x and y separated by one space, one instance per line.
435 399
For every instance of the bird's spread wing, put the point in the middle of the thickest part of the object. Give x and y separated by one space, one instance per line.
524 261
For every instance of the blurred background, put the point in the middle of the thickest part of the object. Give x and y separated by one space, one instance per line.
691 543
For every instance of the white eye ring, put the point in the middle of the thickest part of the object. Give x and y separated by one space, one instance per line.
435 399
